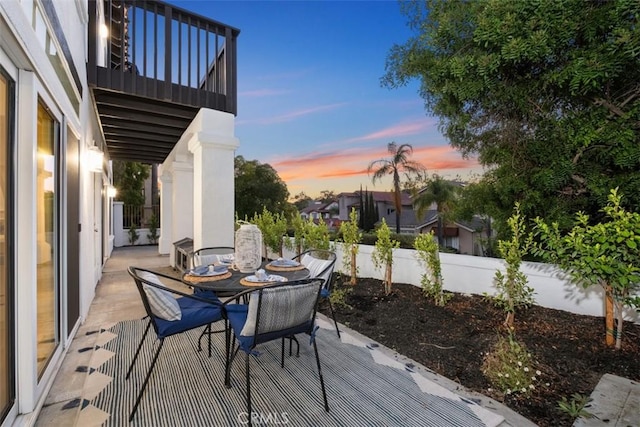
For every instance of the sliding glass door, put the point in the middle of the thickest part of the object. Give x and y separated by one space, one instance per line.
47 237
7 348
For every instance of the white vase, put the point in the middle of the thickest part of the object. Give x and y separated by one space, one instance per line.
248 255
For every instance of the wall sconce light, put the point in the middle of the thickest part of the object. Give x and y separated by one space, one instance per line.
111 191
104 31
94 159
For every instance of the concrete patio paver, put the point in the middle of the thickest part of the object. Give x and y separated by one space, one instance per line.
614 402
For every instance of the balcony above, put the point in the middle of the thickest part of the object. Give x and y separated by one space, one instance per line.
151 67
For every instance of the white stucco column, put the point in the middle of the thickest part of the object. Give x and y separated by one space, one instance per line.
182 201
118 224
213 145
166 214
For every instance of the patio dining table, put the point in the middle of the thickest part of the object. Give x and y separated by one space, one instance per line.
232 284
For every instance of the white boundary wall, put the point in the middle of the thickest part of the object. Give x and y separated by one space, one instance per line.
474 275
120 235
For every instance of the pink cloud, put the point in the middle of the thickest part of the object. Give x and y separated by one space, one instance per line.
401 129
354 162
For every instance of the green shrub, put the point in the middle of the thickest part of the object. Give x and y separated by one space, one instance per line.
510 368
351 236
152 235
338 296
513 289
428 255
133 234
382 255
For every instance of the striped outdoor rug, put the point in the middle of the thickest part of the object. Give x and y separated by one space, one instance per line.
364 386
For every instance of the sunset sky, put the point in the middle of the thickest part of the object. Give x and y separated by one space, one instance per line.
310 102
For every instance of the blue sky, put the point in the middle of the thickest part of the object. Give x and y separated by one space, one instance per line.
310 102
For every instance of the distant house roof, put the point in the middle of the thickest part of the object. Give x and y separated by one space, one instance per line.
380 196
476 224
317 206
408 219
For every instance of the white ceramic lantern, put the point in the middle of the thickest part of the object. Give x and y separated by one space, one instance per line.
248 256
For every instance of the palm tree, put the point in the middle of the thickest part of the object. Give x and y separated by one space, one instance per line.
399 162
443 194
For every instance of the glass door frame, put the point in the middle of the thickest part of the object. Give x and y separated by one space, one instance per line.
31 91
9 255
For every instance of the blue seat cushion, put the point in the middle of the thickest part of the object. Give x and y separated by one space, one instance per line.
205 293
194 313
237 315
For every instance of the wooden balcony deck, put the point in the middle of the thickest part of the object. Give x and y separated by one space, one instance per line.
151 67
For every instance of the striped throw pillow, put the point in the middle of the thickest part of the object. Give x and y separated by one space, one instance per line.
162 303
316 266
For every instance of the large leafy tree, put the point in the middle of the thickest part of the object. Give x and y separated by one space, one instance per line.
482 200
441 192
398 163
545 92
301 200
327 196
258 187
128 178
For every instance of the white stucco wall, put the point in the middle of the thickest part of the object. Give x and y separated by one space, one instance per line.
26 54
474 275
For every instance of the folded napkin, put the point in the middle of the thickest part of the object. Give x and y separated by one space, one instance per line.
268 279
226 258
203 270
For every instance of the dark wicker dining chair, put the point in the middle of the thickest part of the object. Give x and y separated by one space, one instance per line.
274 312
321 263
210 255
169 315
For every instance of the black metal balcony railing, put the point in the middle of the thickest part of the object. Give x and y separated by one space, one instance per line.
151 67
158 50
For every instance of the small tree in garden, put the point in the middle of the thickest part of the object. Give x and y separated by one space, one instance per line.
382 255
513 291
605 254
133 234
299 226
351 237
317 235
152 235
428 254
273 228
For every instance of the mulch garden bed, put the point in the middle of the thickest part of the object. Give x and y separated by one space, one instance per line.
452 340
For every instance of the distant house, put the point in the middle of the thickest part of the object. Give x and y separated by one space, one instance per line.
317 209
383 201
463 236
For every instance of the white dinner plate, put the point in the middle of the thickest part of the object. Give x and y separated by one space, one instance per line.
284 263
270 278
205 271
